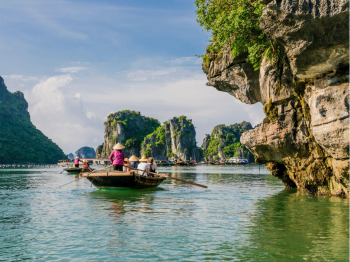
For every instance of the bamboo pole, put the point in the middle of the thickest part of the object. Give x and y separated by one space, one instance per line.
167 176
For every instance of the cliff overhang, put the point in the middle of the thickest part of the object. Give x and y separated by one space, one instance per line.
304 139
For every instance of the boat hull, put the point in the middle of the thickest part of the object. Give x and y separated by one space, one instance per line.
73 170
115 179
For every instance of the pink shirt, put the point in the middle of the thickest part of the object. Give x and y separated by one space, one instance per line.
117 158
76 161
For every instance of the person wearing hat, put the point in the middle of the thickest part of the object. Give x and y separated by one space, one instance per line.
85 164
126 165
76 161
143 167
117 157
134 161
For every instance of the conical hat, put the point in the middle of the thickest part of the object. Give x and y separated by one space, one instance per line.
133 158
119 146
76 157
143 159
126 159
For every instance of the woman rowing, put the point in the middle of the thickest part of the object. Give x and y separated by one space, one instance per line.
76 162
117 157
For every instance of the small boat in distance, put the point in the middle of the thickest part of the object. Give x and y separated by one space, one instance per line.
109 179
77 170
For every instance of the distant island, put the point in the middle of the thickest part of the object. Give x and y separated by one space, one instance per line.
20 141
175 139
224 142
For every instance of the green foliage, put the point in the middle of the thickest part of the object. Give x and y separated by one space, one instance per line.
216 157
231 150
134 135
20 141
171 154
160 136
179 133
227 138
131 142
234 24
270 111
148 150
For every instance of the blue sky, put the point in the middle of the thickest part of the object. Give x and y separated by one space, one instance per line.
77 61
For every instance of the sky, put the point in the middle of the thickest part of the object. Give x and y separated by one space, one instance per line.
77 61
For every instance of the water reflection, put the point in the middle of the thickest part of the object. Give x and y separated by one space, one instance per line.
299 226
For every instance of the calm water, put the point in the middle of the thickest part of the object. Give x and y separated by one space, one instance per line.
242 216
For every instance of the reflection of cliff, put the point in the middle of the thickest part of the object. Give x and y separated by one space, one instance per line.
300 227
304 139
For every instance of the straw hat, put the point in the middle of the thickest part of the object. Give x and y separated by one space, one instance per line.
143 159
76 157
85 161
126 159
133 158
119 146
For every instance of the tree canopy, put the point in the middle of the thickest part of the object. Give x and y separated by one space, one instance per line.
234 24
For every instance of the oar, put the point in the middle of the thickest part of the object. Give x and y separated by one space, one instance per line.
167 176
87 174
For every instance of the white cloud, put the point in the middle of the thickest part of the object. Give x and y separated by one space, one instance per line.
60 116
72 70
21 78
190 60
144 75
78 96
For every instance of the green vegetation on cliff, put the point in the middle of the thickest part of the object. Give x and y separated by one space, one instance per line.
129 128
20 141
134 135
175 139
234 24
224 142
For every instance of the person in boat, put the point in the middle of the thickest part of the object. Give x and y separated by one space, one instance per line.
117 157
143 167
76 162
86 164
134 161
152 166
126 165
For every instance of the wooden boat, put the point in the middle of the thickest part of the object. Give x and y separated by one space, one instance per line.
116 179
73 170
77 170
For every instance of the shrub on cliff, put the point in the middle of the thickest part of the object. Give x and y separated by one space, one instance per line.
234 23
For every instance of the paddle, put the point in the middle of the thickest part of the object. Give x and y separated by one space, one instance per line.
87 175
167 176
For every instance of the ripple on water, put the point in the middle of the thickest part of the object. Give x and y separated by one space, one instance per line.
242 216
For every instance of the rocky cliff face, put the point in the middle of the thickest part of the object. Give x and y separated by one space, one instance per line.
224 142
126 127
176 139
20 141
304 140
85 152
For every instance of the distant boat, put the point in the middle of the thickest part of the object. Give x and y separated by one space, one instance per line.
77 170
238 161
118 179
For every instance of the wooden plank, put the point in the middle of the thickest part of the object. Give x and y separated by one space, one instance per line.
104 174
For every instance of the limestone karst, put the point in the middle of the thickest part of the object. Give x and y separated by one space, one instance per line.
304 139
20 140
